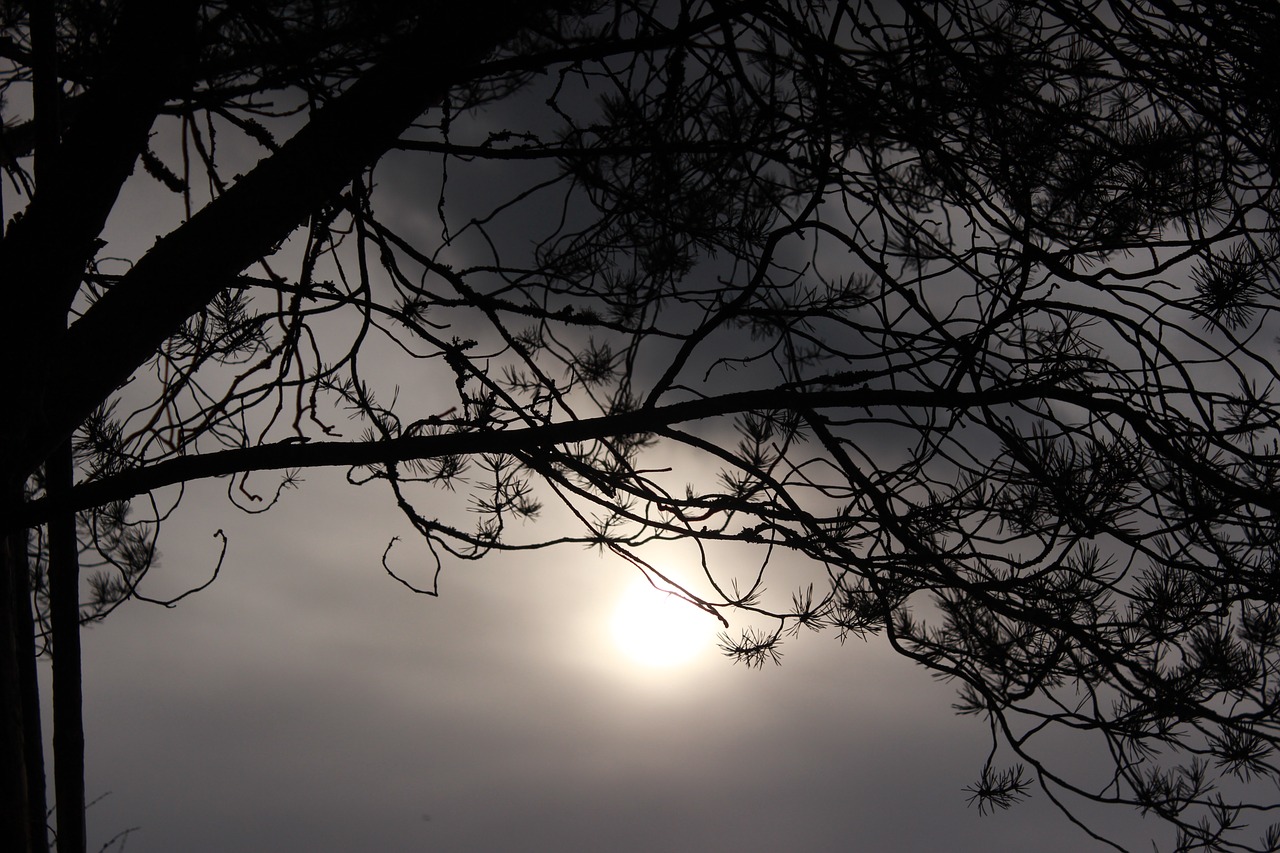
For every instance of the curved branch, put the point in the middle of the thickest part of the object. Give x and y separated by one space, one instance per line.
313 454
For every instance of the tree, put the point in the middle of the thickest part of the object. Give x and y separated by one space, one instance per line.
971 304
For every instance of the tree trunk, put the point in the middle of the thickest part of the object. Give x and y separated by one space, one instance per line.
22 792
64 616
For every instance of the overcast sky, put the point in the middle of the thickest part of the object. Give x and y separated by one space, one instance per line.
306 701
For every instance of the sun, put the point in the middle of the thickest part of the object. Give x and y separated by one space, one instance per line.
658 629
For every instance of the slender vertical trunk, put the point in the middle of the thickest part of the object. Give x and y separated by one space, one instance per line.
64 561
64 616
22 793
24 623
15 824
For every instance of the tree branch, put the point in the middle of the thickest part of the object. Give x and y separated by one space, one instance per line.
316 454
188 267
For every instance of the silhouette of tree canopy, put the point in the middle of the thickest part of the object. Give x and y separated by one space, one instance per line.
966 310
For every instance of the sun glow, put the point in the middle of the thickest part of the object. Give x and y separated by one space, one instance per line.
658 629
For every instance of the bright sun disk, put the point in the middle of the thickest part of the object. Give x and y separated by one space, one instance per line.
659 629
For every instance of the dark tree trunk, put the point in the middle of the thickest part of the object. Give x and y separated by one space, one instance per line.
64 617
22 792
15 825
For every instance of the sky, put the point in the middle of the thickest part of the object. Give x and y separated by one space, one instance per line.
306 701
